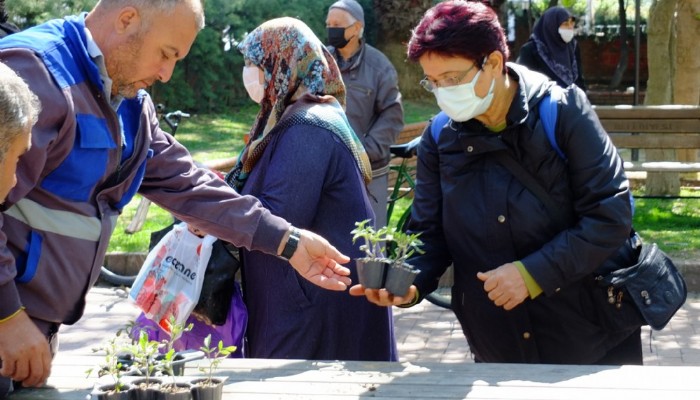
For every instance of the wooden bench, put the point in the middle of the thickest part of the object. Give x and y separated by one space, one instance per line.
671 127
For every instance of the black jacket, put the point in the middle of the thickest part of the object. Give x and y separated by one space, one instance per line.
472 212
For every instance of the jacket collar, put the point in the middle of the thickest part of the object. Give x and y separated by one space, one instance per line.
354 61
532 87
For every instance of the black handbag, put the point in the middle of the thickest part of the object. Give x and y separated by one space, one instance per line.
651 281
219 280
637 274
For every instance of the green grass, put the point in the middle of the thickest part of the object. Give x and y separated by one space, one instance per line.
673 224
417 111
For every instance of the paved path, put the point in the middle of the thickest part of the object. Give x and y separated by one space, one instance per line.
424 332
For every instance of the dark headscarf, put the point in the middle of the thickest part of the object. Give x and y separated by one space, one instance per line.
300 74
559 56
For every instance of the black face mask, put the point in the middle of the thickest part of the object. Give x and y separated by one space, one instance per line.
336 37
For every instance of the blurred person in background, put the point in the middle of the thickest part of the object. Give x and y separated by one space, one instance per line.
373 99
553 50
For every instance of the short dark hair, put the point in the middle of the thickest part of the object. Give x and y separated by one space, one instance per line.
468 29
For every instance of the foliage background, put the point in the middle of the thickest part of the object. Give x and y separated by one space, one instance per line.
208 80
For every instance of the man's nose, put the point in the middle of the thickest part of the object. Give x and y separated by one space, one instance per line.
166 71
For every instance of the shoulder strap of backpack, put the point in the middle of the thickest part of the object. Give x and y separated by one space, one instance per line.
439 121
549 108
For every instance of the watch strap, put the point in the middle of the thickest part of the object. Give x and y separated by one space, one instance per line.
292 242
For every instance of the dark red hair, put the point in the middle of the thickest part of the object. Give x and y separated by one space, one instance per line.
467 29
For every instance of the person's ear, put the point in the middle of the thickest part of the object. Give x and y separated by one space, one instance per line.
355 28
128 21
494 61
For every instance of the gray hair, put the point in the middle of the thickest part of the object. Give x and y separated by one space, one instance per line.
158 7
352 20
19 108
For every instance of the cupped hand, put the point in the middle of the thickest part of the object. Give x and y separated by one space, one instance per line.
383 297
505 286
319 262
24 351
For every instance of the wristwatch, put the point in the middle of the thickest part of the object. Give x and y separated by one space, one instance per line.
292 243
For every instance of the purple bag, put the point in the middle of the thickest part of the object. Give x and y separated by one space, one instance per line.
231 332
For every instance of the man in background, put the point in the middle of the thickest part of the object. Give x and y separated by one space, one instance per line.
373 98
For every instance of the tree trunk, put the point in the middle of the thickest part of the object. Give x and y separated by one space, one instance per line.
396 19
3 14
624 48
686 77
660 53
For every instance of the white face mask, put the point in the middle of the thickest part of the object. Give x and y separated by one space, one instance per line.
566 34
461 103
251 81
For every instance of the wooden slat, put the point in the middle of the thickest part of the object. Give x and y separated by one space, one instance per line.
648 112
651 125
656 141
662 166
411 131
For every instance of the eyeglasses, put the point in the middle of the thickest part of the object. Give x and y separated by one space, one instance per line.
430 85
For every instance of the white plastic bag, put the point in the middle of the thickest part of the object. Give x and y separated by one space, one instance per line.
170 280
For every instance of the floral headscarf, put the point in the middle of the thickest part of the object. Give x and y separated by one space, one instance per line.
297 66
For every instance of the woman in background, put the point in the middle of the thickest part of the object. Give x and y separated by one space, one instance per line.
552 49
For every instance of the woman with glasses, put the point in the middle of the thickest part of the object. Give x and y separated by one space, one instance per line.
552 49
523 287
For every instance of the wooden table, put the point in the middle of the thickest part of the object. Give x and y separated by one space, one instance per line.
301 379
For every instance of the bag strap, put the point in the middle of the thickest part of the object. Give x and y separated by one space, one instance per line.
548 110
558 214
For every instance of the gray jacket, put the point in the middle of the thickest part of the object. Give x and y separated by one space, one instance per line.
373 102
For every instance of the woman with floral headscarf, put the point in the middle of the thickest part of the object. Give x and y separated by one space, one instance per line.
304 163
552 49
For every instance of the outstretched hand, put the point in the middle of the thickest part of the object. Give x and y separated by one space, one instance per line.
24 351
383 297
319 262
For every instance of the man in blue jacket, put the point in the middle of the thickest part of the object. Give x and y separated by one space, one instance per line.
97 142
